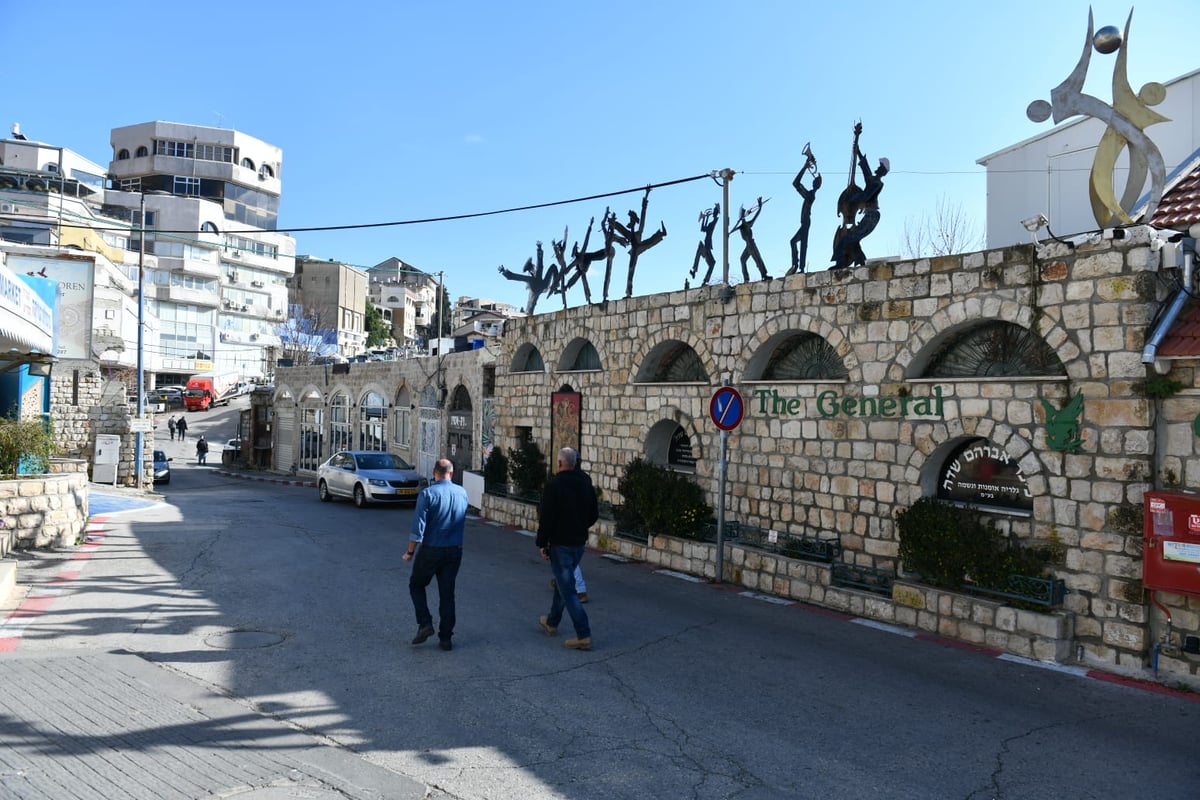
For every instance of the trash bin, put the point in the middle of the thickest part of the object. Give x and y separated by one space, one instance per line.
230 458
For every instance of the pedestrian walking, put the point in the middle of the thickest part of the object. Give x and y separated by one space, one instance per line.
201 451
181 428
171 426
567 510
438 526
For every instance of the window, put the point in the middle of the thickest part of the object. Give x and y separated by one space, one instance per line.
174 149
265 172
247 163
402 420
214 152
339 422
528 359
208 227
372 418
584 358
997 349
122 154
186 186
800 357
142 152
672 362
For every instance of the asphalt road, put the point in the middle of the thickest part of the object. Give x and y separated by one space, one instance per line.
300 609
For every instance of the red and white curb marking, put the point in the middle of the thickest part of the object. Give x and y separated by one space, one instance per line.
39 600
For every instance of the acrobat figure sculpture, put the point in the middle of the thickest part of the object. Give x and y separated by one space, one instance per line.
704 248
631 235
611 237
581 261
847 240
800 256
536 279
745 226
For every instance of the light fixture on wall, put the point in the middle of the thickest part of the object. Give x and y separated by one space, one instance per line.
1034 224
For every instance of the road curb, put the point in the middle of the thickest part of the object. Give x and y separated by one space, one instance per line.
268 479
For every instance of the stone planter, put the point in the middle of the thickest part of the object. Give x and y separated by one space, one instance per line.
44 510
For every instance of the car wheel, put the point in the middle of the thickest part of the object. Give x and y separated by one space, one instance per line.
323 491
360 497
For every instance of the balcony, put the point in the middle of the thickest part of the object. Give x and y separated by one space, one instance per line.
181 294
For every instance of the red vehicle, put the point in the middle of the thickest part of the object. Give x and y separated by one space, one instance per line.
208 389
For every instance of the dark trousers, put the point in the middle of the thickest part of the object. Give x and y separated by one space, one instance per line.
442 563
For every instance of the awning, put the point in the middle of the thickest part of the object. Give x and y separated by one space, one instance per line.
26 321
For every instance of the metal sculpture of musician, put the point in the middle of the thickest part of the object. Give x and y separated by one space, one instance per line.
745 226
858 208
535 277
704 248
800 239
1127 119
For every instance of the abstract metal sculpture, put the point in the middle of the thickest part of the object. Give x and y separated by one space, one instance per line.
1127 118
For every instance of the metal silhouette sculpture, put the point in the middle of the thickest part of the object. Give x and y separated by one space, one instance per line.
1127 118
581 261
745 226
858 208
799 241
630 235
704 248
535 277
611 237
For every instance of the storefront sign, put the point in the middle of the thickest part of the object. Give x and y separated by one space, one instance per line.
981 473
831 404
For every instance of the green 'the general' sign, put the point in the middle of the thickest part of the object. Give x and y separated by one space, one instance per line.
832 404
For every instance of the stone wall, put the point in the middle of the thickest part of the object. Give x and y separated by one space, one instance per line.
798 470
75 392
43 510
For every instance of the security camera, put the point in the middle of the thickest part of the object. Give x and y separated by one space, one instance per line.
1034 224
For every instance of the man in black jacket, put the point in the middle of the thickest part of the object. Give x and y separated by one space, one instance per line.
568 509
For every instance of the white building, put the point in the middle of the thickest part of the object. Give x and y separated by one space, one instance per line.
407 296
217 269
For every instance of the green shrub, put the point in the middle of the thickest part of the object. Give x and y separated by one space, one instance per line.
528 469
26 446
659 500
495 469
949 546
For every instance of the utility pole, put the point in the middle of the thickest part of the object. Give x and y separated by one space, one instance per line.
141 343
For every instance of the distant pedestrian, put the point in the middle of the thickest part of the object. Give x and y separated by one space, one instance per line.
171 427
438 526
567 510
201 451
181 428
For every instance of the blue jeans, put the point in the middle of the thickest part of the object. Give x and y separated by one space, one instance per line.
442 563
563 561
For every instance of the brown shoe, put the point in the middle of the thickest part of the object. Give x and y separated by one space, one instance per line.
583 597
549 629
579 644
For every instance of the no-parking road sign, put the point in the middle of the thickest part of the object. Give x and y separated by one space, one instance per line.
726 408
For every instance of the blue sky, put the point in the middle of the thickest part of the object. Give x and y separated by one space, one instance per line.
395 111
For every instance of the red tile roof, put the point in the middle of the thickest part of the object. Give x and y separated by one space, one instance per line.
1180 206
1184 337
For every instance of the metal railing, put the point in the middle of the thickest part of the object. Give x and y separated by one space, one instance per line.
871 579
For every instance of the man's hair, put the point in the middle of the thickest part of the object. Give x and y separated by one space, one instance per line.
443 466
567 457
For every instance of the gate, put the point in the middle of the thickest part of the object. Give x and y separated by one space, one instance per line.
460 443
428 432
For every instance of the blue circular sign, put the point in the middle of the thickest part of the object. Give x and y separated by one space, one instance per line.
726 408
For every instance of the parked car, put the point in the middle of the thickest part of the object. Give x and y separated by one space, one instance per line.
369 476
162 467
171 398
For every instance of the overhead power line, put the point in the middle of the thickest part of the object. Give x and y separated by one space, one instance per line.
424 220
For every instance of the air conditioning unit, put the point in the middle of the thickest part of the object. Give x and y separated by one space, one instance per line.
7 208
256 284
236 254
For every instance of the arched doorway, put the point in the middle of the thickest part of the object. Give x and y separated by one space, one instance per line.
460 442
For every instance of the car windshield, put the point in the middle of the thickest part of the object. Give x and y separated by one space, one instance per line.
159 455
381 461
194 393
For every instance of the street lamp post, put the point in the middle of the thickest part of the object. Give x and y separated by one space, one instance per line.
141 344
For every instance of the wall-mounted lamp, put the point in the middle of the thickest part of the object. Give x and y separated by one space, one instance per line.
1035 224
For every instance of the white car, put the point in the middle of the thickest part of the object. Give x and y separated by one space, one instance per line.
369 476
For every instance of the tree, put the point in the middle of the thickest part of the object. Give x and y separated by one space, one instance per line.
441 319
304 335
378 332
946 232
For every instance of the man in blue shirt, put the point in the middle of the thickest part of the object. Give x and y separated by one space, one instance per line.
438 525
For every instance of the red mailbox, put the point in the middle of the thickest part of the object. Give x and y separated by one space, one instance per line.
1171 543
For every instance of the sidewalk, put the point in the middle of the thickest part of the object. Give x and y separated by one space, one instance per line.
82 724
